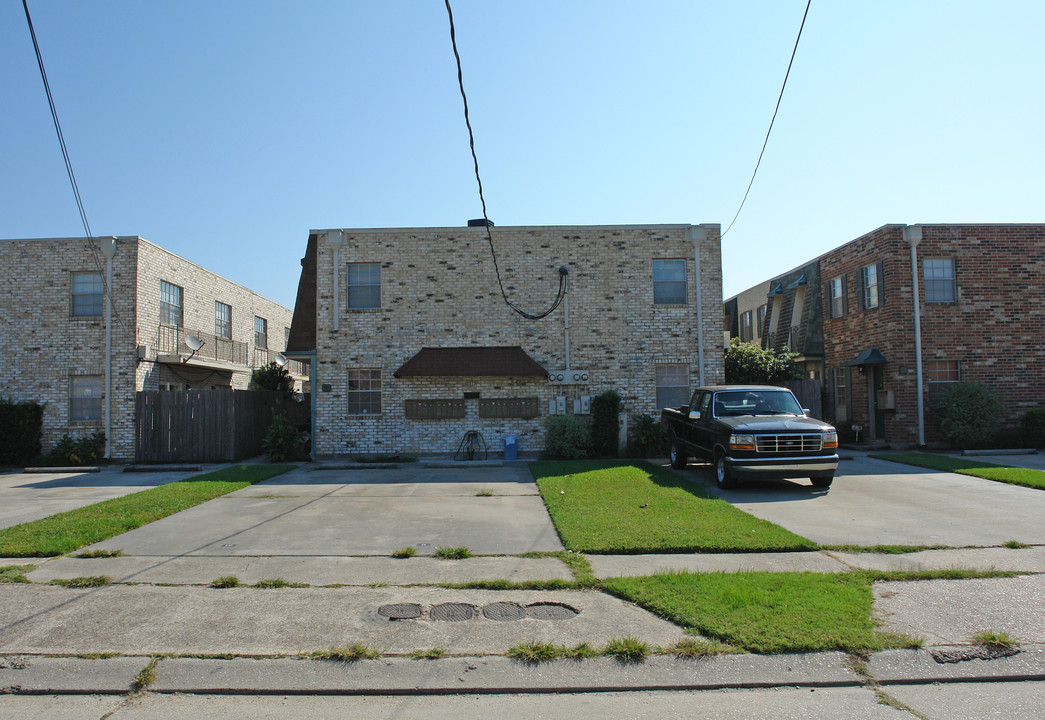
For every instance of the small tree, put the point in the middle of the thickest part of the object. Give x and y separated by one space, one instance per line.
968 414
605 412
272 377
749 363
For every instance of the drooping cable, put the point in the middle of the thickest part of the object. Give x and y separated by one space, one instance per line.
482 200
69 165
772 120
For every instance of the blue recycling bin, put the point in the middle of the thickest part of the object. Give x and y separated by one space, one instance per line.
511 447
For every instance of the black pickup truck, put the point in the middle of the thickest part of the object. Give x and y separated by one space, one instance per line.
751 431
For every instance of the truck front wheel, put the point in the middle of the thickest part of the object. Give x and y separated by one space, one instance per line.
723 478
678 455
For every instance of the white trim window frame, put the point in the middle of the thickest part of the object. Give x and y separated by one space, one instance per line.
222 320
669 282
364 392
672 383
364 286
939 374
261 332
171 304
86 290
747 330
86 393
938 279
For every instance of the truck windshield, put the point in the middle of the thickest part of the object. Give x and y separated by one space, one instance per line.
756 402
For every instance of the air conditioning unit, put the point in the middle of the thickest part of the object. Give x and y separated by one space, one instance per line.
885 400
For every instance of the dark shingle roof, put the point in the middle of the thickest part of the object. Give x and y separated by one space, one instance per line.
471 362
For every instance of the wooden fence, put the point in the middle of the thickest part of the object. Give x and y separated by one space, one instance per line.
208 425
809 394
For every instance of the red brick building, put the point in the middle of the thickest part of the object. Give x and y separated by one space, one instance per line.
981 311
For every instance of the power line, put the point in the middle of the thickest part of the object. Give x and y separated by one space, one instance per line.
69 165
486 220
779 98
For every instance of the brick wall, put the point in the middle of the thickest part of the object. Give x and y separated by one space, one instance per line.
438 289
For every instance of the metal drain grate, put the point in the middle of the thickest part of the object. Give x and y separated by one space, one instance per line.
452 612
504 611
551 611
400 611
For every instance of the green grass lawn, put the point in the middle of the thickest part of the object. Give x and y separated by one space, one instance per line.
765 612
64 532
620 507
989 471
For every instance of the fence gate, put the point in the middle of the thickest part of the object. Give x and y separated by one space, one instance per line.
207 425
809 394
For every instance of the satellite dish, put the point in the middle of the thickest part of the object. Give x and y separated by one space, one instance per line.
280 359
194 344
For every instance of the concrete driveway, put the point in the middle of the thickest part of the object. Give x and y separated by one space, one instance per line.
31 496
313 511
876 502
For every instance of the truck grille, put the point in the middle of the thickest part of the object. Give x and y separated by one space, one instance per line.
804 442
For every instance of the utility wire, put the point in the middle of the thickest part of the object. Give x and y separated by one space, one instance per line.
486 220
69 165
779 98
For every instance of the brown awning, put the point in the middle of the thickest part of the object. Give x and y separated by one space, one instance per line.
471 362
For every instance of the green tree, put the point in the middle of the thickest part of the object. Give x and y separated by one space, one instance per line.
749 363
271 377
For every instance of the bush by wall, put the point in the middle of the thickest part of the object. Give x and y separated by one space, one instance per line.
605 412
968 415
283 441
566 437
1032 426
22 424
646 437
87 450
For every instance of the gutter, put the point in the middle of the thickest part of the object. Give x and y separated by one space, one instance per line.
698 235
108 248
913 236
338 242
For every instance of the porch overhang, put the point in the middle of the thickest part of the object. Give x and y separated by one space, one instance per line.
471 362
870 356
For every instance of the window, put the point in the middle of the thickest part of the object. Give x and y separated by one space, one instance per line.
170 304
940 374
746 329
761 316
261 332
939 280
86 294
836 297
222 320
841 397
364 392
669 282
872 287
672 385
364 286
286 337
85 398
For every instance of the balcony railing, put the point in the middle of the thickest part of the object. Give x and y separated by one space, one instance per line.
170 340
263 357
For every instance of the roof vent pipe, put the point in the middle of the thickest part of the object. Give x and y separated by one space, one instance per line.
480 222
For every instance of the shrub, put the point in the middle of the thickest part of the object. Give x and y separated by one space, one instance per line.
85 451
23 426
749 363
282 441
1032 426
968 414
605 412
566 437
646 435
272 377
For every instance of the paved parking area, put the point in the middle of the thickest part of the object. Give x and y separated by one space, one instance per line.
31 496
876 502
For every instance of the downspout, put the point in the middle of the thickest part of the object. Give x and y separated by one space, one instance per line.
913 236
698 235
566 318
338 242
108 248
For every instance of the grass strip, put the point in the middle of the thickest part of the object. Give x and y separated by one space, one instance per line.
620 507
765 612
15 573
68 531
1027 477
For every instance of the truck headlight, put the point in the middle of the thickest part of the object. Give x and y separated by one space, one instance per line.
741 442
830 439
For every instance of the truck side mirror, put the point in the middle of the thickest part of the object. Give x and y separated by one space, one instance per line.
694 414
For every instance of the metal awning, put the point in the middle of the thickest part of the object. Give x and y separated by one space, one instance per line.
471 362
870 356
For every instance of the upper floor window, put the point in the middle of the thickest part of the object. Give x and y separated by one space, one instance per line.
170 304
672 385
85 398
364 286
836 297
669 282
222 320
261 332
746 327
87 292
761 316
872 286
939 280
364 392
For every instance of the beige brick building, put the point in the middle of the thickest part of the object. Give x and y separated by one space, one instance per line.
413 344
54 321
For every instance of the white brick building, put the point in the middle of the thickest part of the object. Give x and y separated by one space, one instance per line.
413 344
54 321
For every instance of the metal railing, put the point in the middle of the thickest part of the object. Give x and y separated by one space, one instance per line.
171 340
263 357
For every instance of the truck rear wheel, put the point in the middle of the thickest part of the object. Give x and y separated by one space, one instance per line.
678 455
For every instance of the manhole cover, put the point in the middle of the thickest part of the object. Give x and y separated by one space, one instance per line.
400 611
551 611
504 611
452 612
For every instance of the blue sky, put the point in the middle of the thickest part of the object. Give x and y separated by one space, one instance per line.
224 131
